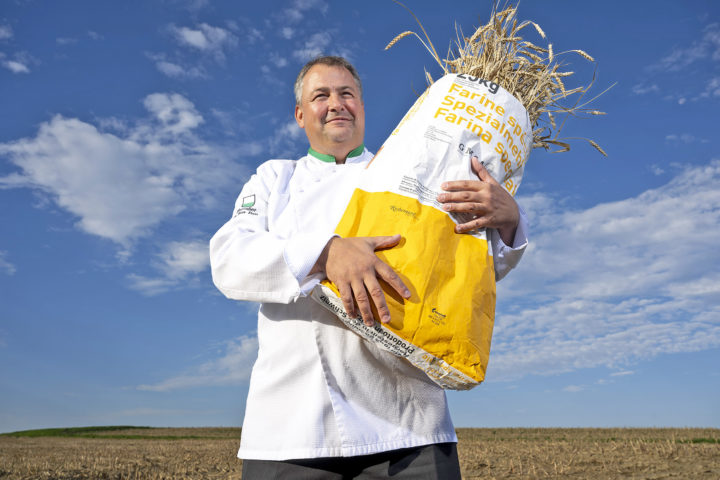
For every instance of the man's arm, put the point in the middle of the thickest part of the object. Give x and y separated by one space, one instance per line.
507 256
492 207
249 261
489 203
351 264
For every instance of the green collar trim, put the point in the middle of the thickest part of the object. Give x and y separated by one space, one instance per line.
321 156
356 152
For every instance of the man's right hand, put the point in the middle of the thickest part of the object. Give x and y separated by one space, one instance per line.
351 264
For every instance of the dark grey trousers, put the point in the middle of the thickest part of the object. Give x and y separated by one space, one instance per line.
429 462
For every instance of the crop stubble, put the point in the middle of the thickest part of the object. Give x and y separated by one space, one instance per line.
512 453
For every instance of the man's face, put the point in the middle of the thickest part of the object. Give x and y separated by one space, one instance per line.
331 110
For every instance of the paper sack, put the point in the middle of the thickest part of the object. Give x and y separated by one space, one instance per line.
445 328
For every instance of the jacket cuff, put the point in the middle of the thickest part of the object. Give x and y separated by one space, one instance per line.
507 257
521 240
301 252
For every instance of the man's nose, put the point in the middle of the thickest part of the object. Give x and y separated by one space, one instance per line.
335 102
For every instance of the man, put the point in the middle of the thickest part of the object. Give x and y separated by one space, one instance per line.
323 403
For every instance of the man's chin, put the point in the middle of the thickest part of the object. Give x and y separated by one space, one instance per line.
340 135
340 127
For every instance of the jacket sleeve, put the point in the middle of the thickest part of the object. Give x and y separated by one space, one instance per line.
506 257
249 260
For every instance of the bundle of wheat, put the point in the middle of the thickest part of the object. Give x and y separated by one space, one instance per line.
499 99
532 74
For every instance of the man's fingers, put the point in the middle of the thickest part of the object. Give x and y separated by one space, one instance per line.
355 269
363 303
382 242
460 196
481 171
378 298
347 299
461 185
393 279
479 222
472 207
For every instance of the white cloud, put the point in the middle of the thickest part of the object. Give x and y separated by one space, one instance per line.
108 182
175 70
712 89
254 35
642 89
66 41
278 60
692 65
176 113
206 38
19 62
684 138
114 124
120 185
314 46
5 266
622 373
183 258
233 367
287 138
616 283
150 286
234 121
573 388
5 32
196 4
657 169
179 262
16 66
707 48
287 33
299 8
193 38
321 43
170 69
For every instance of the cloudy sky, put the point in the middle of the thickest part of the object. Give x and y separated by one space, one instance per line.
128 129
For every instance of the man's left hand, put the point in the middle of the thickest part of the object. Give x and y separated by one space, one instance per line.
490 204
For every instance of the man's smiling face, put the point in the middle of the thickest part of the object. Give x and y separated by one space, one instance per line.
331 111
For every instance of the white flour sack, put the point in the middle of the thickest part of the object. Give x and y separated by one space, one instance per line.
446 326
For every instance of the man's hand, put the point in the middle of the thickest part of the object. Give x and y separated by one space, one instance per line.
491 205
351 264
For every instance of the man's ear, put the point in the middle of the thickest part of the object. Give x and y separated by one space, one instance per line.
299 116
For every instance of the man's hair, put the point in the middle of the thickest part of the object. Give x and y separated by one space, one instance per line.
330 61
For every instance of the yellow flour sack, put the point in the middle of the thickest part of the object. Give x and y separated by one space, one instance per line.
446 326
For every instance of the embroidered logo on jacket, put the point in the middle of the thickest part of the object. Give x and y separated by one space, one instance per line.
248 201
246 206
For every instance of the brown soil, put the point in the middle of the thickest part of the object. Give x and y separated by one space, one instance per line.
516 453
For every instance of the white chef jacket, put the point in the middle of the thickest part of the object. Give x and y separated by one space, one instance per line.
317 389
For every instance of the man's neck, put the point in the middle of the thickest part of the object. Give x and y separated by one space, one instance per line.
330 158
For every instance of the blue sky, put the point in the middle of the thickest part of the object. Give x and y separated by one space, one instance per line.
128 129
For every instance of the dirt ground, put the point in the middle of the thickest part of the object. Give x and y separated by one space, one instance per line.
515 453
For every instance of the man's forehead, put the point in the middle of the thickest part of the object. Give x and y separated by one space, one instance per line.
325 76
334 87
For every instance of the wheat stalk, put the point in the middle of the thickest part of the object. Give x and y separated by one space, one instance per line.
402 35
496 52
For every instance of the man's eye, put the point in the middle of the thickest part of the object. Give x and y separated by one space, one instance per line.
319 96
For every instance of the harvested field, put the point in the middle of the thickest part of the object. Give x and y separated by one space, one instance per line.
590 453
513 453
